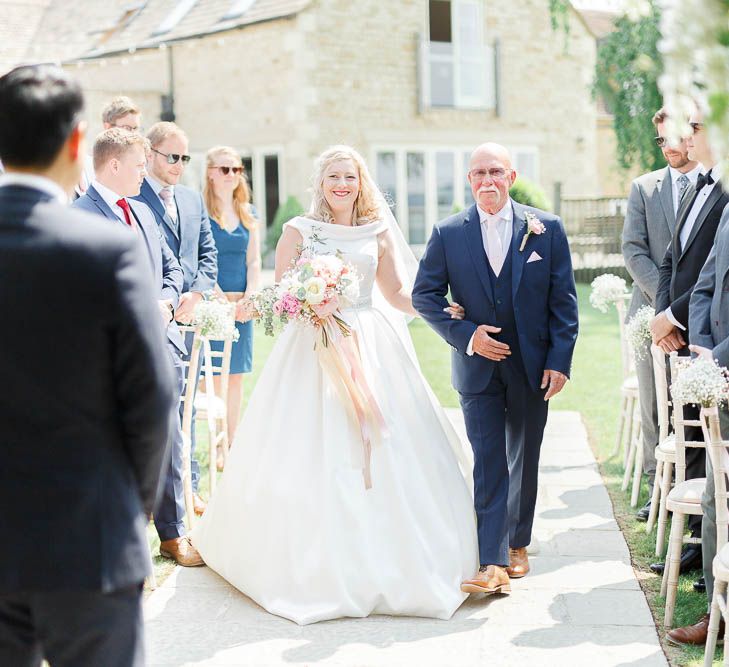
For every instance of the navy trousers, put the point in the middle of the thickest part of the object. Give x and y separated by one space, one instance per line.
505 425
169 516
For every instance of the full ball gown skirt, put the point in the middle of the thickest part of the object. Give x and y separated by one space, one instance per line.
291 524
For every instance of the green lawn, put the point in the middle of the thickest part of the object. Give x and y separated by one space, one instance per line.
594 392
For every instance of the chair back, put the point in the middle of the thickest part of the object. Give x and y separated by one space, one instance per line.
626 351
190 375
662 400
680 423
717 451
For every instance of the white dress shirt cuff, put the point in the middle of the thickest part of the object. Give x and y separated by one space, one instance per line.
673 320
469 349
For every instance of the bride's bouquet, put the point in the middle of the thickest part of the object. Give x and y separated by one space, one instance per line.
313 291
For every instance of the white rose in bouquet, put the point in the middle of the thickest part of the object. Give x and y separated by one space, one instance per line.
315 290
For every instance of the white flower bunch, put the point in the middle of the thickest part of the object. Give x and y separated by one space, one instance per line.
606 290
701 381
696 67
638 330
216 319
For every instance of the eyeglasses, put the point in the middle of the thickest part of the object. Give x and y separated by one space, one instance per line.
495 174
226 170
696 126
173 158
128 128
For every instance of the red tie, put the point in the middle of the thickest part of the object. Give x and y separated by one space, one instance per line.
123 204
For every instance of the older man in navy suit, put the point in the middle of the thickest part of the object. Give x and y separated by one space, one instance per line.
509 266
182 216
119 163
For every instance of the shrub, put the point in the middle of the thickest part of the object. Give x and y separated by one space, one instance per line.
529 193
288 210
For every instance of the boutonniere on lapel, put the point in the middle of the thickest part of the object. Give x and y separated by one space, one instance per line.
534 226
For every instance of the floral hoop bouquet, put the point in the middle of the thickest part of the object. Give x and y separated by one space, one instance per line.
606 290
313 291
216 319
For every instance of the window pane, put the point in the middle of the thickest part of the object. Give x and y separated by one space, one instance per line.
526 165
445 182
467 196
440 21
386 176
441 84
472 77
468 19
416 197
271 175
248 166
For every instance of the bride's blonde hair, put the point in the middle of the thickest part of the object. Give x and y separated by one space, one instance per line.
366 206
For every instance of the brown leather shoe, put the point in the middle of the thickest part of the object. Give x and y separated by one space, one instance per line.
693 635
489 579
198 504
180 550
518 563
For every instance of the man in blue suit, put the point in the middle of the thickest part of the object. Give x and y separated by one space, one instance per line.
180 212
119 163
509 266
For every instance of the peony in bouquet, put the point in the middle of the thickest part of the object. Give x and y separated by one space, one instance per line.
313 291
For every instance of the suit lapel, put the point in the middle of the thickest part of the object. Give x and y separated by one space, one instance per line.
150 196
665 195
144 231
517 234
102 205
703 214
474 242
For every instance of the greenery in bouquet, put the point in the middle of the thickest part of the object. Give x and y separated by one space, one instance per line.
701 381
216 319
638 330
606 290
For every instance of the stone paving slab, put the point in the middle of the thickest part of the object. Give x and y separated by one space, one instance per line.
580 605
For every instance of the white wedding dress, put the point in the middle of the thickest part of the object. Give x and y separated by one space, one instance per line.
291 524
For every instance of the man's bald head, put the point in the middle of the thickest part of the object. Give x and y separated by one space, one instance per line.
490 176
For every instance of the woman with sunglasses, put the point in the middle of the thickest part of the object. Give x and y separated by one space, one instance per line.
237 239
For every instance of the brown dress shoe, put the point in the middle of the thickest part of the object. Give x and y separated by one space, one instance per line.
198 504
489 579
693 635
518 563
180 550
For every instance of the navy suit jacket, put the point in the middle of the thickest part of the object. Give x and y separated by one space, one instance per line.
545 299
165 267
193 245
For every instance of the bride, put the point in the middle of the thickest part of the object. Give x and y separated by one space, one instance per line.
292 523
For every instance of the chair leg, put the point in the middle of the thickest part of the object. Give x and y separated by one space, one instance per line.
714 618
663 510
669 585
621 426
637 470
630 446
655 497
187 484
212 454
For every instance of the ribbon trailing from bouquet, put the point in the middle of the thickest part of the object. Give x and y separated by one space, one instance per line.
340 357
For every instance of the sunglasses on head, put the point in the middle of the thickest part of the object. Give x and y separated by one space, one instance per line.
226 170
173 158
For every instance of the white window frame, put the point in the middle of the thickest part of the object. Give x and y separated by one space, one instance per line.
258 156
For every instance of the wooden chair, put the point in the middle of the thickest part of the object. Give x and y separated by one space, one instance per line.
186 399
665 450
212 407
629 411
682 500
717 451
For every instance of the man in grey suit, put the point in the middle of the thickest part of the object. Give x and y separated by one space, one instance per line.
649 225
709 337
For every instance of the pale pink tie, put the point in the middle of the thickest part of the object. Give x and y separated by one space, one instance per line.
495 249
166 196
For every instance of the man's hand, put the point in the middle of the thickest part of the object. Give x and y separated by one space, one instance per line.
702 352
661 327
185 312
165 311
672 343
488 347
555 381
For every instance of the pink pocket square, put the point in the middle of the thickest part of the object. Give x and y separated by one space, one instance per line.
534 257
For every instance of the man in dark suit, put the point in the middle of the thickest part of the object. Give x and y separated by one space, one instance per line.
654 200
697 222
85 401
181 214
509 266
119 163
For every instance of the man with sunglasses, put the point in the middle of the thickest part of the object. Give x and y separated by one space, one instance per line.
649 224
181 214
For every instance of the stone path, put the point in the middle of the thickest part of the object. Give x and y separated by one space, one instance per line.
581 604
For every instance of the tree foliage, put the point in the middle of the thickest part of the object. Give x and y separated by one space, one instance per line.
627 71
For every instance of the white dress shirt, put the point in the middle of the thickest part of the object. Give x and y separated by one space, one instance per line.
675 175
36 182
504 226
111 198
686 232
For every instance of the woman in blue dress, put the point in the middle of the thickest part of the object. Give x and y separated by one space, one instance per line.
237 239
